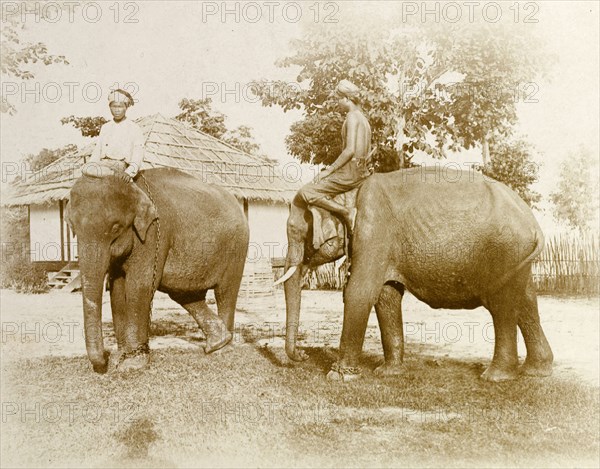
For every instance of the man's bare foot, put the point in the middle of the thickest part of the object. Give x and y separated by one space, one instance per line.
353 212
350 219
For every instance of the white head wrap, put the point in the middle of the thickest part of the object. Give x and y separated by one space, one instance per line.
347 89
120 96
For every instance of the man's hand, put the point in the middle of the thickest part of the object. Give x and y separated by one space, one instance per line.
125 177
322 175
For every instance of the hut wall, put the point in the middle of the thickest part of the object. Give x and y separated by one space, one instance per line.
45 232
267 222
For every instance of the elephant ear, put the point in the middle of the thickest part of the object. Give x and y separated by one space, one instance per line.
145 214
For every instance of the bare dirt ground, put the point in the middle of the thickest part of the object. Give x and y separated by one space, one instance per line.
246 406
51 325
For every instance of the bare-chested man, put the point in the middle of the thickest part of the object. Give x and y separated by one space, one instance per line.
349 170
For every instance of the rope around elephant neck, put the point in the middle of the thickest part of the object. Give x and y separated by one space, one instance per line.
154 287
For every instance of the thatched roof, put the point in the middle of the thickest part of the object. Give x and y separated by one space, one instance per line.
169 143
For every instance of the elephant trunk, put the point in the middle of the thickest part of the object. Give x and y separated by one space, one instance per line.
94 265
293 290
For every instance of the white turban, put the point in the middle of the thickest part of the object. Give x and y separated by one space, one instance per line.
347 89
120 96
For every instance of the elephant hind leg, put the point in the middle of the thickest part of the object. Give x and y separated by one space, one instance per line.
226 294
539 354
389 316
213 327
503 306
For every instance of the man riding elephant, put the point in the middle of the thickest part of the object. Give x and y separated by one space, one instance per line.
349 170
120 143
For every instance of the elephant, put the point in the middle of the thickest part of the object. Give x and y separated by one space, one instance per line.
167 231
454 239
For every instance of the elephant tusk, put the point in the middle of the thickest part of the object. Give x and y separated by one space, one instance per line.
287 275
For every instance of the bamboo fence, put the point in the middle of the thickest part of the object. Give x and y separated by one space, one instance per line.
568 265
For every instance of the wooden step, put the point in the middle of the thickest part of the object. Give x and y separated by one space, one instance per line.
67 279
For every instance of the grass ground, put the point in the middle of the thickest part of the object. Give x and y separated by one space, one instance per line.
188 409
248 406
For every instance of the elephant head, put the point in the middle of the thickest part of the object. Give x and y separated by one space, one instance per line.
301 256
105 214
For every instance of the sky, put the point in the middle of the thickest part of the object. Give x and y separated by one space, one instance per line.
182 49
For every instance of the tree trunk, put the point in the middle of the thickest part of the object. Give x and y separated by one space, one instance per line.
485 147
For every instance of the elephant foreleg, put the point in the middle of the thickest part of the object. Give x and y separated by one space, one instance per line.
389 316
119 309
360 295
138 295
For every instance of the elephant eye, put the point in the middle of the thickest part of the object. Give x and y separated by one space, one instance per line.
116 228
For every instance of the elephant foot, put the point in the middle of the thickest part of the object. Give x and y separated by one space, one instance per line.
102 367
496 375
390 368
214 343
538 370
134 360
343 373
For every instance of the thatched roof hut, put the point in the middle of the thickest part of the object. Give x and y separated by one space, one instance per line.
257 182
169 143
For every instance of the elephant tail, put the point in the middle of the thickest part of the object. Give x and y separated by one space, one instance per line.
538 245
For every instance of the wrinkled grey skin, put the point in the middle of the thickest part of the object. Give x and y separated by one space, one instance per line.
202 245
455 240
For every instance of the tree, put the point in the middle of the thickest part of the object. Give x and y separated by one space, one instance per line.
17 57
241 138
200 115
576 197
89 126
511 163
325 57
425 87
47 156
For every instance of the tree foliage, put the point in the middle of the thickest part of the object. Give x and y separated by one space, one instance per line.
46 156
241 138
425 87
575 199
88 126
511 163
200 115
19 58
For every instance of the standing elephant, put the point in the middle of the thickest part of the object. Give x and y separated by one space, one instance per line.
455 240
169 231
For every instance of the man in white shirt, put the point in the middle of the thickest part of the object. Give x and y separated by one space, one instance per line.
121 141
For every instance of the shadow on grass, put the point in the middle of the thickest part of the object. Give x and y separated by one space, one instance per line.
437 411
137 438
318 357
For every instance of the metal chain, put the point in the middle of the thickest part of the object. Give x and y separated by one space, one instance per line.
154 286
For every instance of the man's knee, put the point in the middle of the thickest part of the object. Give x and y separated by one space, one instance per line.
306 193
